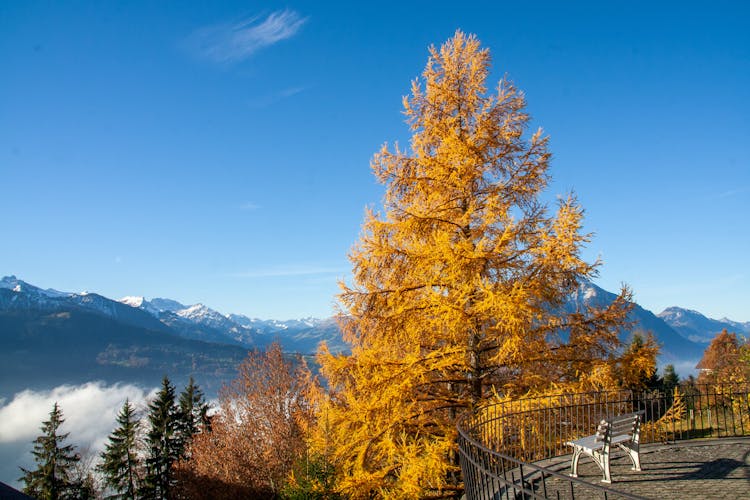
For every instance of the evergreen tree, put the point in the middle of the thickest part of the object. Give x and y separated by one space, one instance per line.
192 415
162 442
54 477
670 379
120 462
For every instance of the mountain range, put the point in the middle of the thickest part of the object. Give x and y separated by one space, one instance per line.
195 322
49 338
696 327
50 335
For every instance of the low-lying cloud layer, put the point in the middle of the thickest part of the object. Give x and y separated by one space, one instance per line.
90 413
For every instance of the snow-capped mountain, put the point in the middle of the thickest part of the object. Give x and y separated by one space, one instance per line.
736 325
16 285
16 294
201 322
696 327
274 325
140 303
195 322
674 347
681 333
305 334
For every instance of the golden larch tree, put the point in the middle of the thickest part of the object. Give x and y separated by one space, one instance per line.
460 286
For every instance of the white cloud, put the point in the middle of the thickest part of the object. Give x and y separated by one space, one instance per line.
89 410
684 368
228 43
298 270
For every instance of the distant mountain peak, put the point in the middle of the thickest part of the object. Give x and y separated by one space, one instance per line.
8 279
167 304
679 311
133 301
697 327
18 286
197 321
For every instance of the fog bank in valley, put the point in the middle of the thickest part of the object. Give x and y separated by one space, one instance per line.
90 411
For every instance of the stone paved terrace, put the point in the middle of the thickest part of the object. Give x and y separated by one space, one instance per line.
694 469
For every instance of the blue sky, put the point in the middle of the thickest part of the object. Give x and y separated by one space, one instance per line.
218 152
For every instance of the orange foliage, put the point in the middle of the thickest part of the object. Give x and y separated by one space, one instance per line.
637 365
722 361
257 434
460 287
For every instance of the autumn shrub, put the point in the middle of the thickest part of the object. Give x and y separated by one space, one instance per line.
257 435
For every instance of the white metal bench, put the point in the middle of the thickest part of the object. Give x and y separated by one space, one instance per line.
622 430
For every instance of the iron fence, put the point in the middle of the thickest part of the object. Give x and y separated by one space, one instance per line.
502 447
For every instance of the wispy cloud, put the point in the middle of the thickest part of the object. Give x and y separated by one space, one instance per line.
268 99
228 43
294 270
249 206
733 192
729 193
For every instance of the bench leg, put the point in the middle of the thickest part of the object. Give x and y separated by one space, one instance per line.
607 476
574 464
601 458
634 455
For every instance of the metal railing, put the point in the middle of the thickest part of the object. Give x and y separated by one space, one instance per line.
501 446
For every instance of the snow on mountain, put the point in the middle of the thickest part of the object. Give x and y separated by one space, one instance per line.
696 327
674 346
13 283
196 322
193 322
23 296
270 325
738 326
133 301
140 303
682 333
202 315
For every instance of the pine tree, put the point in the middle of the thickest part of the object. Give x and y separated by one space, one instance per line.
162 442
459 286
120 463
670 379
54 477
192 415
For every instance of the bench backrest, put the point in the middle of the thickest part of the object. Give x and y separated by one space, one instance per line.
621 425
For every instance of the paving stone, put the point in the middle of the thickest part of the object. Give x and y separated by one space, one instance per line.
696 469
